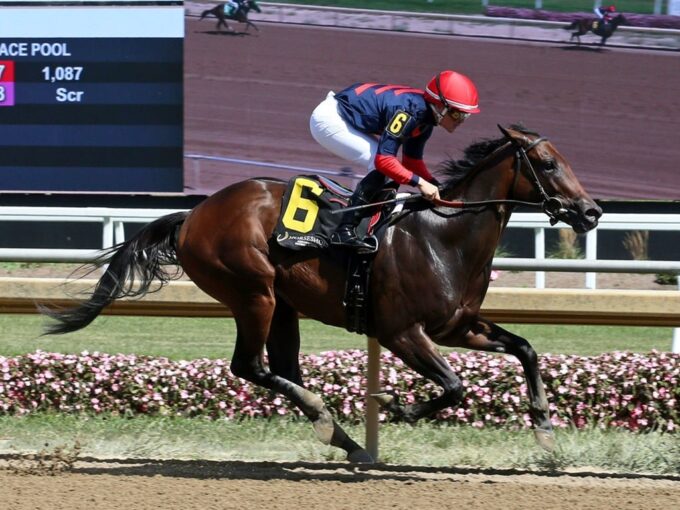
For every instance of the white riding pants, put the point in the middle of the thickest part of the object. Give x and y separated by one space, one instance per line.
332 132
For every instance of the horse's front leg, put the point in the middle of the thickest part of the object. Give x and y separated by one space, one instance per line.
416 349
487 336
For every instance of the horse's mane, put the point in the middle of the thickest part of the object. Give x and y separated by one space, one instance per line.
453 171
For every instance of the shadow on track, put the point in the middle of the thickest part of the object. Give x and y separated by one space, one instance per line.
591 49
220 32
304 471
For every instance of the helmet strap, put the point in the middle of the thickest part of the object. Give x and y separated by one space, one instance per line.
439 92
438 116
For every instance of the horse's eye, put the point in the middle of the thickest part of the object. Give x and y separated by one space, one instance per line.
550 165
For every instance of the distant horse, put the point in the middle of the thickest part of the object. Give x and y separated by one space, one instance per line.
596 26
240 15
428 278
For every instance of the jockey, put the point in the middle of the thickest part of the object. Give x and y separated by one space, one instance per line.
367 123
605 13
231 7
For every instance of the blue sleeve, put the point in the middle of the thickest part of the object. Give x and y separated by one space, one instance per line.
388 144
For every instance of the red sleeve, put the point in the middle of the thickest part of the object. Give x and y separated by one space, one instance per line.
390 166
418 167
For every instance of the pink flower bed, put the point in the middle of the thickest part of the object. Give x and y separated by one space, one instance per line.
638 392
634 20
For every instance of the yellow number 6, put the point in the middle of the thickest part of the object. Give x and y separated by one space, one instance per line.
398 122
297 203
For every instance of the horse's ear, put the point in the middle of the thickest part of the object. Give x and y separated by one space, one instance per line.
505 132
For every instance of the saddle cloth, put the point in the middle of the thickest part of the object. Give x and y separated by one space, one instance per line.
306 220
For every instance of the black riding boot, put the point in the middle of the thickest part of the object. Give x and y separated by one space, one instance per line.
345 234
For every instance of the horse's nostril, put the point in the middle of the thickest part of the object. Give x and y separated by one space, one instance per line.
594 212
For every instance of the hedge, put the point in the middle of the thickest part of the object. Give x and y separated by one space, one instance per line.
633 391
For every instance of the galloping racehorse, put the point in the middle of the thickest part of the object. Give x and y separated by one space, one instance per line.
428 280
598 27
240 15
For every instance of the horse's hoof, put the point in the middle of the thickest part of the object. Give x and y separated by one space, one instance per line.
545 439
360 456
383 399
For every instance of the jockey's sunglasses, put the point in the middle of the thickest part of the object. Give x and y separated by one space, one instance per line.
458 116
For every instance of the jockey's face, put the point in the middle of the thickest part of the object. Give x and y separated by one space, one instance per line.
453 119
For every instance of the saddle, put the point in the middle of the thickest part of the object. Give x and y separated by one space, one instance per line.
311 211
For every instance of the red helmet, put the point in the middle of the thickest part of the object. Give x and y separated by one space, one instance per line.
611 8
453 90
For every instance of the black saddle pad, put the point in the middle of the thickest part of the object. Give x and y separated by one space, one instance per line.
307 217
306 220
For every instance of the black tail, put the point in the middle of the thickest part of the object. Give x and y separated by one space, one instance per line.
573 25
206 12
133 267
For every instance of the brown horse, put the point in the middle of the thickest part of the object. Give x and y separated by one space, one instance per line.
240 16
429 275
596 26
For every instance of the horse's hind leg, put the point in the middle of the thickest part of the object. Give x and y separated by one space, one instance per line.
487 336
261 321
222 22
248 364
283 343
283 346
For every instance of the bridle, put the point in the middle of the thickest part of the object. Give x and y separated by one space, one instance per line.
552 206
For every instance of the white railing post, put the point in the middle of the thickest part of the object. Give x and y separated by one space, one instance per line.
591 254
372 387
539 253
107 232
118 232
657 6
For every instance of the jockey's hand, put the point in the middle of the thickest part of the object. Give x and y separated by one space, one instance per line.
429 191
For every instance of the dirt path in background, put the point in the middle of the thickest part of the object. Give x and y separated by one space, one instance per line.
205 485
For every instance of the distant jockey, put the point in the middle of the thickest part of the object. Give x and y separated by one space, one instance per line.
605 13
231 7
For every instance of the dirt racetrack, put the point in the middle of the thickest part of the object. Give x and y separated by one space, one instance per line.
202 485
609 111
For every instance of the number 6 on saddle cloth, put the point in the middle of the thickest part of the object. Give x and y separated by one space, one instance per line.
307 220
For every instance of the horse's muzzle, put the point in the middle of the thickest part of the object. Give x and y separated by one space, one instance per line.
588 214
582 215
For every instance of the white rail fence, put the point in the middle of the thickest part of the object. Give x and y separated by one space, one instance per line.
113 221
